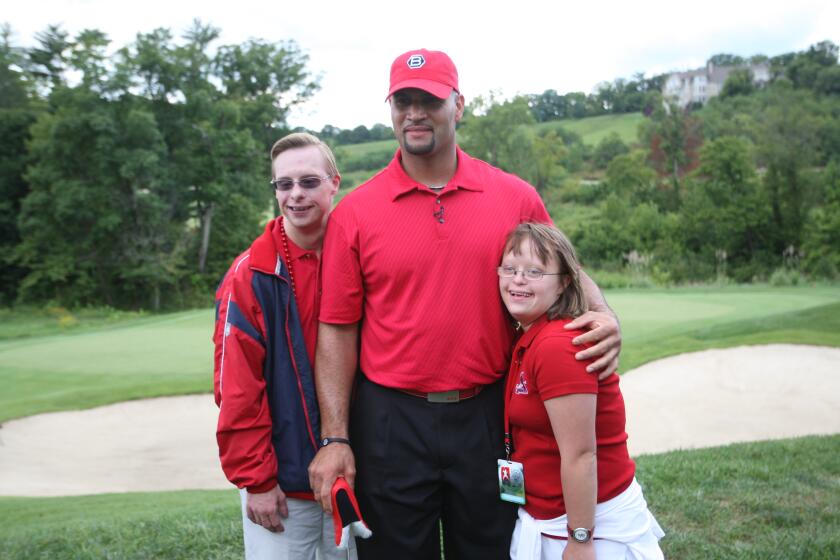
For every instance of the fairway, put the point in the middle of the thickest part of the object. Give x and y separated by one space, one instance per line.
594 129
172 354
167 354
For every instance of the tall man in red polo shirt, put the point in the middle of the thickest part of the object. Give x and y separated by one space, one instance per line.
410 256
266 328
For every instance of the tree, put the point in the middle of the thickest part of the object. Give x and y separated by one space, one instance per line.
608 148
821 243
492 131
629 177
674 137
150 174
787 143
725 59
739 82
18 111
549 151
724 212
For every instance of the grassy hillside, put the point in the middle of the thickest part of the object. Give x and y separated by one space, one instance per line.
593 129
351 157
172 354
769 501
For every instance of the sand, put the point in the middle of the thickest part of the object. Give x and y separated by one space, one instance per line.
689 401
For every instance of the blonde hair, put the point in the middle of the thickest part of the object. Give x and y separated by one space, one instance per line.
548 243
301 140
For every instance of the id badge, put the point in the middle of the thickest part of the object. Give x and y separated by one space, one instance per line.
511 482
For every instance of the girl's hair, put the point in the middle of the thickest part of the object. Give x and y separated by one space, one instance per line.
547 243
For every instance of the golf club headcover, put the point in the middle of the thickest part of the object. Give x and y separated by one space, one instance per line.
347 519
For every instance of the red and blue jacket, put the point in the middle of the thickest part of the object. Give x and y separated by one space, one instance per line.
263 382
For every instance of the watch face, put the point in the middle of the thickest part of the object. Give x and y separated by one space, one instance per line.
581 535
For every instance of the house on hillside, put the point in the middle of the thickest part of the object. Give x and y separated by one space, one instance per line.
701 84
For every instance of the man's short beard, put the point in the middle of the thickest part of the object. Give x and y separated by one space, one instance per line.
418 150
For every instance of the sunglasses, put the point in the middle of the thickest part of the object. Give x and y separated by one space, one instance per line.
287 184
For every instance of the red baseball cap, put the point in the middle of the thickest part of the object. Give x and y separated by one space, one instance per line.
431 71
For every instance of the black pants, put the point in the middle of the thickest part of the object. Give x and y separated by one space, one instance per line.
420 462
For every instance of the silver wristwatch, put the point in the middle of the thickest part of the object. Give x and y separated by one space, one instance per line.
581 534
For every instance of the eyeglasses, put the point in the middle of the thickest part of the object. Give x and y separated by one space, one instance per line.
286 184
529 273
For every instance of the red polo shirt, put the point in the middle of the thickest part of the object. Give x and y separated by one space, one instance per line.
306 267
544 367
418 269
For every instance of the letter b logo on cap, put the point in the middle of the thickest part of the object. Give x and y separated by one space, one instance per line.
416 61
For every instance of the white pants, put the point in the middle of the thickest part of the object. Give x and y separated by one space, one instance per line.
308 535
624 530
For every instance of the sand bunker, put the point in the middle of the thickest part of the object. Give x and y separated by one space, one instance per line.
692 400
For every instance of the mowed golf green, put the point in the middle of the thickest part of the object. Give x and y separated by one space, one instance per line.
172 354
147 357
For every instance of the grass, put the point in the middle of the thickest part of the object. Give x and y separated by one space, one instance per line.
157 355
357 150
663 322
775 500
594 129
769 500
25 322
149 356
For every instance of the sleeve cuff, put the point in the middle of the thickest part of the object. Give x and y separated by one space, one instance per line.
262 488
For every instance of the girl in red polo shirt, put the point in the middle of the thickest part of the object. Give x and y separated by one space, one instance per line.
581 497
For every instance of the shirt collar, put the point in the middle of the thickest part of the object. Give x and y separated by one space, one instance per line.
465 177
528 336
295 253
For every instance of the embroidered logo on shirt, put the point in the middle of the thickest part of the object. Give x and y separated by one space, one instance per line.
521 387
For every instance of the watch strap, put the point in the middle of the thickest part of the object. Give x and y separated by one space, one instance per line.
328 440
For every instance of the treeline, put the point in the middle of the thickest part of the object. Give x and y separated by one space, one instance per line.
746 188
131 177
359 135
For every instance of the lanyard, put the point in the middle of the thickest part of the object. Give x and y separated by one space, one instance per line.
512 380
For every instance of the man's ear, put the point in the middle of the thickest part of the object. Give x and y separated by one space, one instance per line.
459 108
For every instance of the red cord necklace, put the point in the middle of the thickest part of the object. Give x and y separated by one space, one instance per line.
288 256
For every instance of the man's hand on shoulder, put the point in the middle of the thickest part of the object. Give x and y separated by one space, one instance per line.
331 461
604 335
267 509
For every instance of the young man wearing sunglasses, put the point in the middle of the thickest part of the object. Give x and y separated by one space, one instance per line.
265 336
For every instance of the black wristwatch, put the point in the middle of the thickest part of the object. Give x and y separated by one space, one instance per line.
328 440
581 534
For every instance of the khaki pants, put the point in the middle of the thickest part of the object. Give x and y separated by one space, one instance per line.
308 535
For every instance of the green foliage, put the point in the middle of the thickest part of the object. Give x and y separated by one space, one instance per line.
629 177
822 229
348 162
726 59
149 175
617 97
724 217
608 148
494 131
739 82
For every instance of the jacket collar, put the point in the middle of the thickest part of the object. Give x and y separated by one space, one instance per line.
265 255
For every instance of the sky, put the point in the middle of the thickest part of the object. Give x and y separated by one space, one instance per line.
507 48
